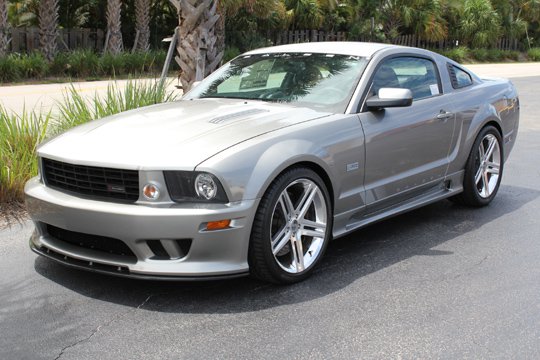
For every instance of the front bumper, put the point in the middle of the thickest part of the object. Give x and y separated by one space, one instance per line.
212 254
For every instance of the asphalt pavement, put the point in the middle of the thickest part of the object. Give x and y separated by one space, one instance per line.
444 281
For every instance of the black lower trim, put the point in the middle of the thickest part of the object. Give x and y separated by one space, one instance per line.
124 271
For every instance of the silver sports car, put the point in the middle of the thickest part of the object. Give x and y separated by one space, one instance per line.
260 165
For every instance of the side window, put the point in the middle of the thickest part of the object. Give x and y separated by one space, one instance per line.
417 74
460 78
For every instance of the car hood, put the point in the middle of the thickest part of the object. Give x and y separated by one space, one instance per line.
178 135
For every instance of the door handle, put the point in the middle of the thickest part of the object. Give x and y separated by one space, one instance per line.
443 115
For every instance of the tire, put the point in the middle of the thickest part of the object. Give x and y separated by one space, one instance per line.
291 229
483 172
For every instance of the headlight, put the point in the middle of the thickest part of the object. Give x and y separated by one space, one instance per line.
189 186
205 186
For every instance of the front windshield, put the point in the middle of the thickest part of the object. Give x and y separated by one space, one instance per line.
323 82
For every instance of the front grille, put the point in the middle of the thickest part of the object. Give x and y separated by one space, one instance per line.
92 181
93 242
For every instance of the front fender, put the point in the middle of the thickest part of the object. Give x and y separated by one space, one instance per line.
248 168
281 156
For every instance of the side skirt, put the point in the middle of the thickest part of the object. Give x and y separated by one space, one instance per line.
452 185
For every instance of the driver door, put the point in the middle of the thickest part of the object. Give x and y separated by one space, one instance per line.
407 148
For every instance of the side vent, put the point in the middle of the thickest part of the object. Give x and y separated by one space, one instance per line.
166 249
453 77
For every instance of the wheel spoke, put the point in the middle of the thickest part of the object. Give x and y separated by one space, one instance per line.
316 229
491 147
481 151
316 233
312 224
486 183
478 175
287 205
280 240
298 254
307 199
493 168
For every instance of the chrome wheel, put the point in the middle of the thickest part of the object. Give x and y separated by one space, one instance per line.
488 165
298 226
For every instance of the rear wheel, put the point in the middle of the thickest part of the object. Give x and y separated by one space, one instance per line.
483 171
291 229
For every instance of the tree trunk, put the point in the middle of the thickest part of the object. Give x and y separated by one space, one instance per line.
48 28
142 24
200 39
3 27
114 22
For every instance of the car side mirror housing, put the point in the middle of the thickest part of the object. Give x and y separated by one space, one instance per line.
390 97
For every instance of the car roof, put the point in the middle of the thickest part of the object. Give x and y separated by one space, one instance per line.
362 49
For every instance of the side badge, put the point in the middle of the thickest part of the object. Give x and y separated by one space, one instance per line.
352 167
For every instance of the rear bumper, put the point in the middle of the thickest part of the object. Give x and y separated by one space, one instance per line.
212 254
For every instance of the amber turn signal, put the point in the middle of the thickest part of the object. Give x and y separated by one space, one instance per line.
218 225
151 191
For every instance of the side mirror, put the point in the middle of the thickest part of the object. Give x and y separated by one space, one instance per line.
390 97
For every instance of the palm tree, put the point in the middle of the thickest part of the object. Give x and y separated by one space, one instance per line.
198 50
422 17
480 23
142 24
3 27
391 17
304 14
48 28
517 16
114 22
201 36
23 13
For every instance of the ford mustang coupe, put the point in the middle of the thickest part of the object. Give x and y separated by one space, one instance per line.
262 163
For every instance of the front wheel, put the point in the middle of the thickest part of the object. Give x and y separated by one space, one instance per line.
483 171
291 229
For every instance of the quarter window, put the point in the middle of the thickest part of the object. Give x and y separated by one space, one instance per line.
417 74
461 79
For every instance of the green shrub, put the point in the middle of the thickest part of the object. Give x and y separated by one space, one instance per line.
459 54
111 65
135 63
480 55
10 69
157 61
494 55
82 63
60 65
534 54
512 55
33 66
19 137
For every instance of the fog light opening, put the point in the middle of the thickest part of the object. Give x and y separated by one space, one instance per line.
218 225
151 192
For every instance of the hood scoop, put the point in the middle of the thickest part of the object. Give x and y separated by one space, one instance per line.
244 113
